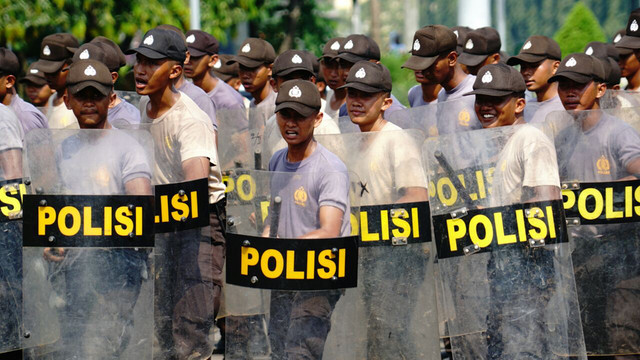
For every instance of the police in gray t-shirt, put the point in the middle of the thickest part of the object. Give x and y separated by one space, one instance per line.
601 153
201 99
124 111
415 97
536 112
30 117
226 97
323 181
455 111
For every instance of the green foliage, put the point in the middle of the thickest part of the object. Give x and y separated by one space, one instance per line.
402 79
580 27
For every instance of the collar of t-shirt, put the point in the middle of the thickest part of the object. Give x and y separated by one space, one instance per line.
297 166
464 84
269 100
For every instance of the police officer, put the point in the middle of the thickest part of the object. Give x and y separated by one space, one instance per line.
330 68
426 91
538 59
255 60
481 47
627 45
36 87
30 117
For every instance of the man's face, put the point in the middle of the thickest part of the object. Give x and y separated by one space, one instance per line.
365 108
537 74
197 67
89 106
3 86
438 72
345 66
38 94
629 65
277 81
235 83
295 128
151 75
331 72
578 96
495 111
57 80
254 79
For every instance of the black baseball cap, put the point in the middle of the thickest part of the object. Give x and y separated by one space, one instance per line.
631 38
331 48
201 43
299 95
55 50
498 80
616 39
428 43
359 47
109 46
461 34
479 44
602 50
9 64
34 75
369 77
96 52
580 68
161 44
537 48
253 53
290 61
89 73
225 71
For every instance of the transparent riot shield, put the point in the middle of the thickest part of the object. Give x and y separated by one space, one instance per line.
284 292
396 282
420 117
88 244
507 283
620 99
598 156
241 135
11 190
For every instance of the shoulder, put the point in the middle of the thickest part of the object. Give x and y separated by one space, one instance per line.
331 162
277 159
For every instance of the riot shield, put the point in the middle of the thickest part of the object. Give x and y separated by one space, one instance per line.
131 97
396 286
620 99
11 190
503 254
241 138
598 156
420 117
88 244
288 291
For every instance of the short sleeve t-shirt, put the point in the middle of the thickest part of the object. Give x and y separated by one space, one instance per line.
103 166
124 111
266 103
528 159
30 117
12 134
601 153
387 164
201 99
458 114
60 117
415 97
226 97
321 180
536 112
182 133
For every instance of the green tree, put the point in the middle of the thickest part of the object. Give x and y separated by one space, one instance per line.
580 27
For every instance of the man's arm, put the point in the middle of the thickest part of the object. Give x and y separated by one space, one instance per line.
11 163
414 194
541 193
633 168
138 186
330 224
195 168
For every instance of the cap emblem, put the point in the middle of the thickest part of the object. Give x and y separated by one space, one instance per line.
416 45
148 41
617 38
84 55
634 26
218 64
295 92
469 44
46 50
335 46
348 45
246 48
571 62
456 32
589 51
487 77
360 74
296 59
90 71
527 46
33 71
191 39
